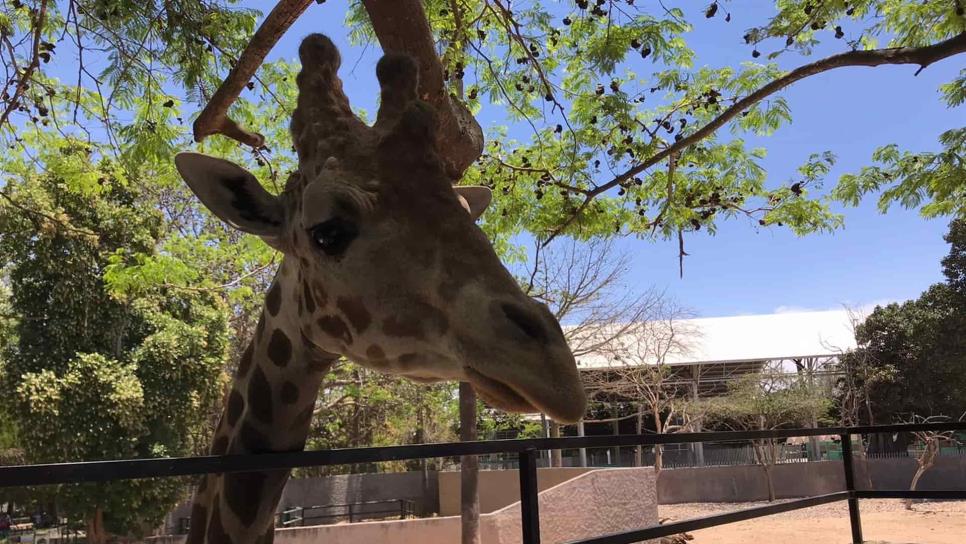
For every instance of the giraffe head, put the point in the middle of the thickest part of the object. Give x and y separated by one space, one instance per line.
382 254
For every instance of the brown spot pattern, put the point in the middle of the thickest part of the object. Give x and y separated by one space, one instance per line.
243 492
304 417
335 327
199 519
260 396
273 301
375 352
236 404
355 311
408 358
220 446
279 348
290 393
394 326
252 440
216 530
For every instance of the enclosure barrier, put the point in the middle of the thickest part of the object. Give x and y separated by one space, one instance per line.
99 471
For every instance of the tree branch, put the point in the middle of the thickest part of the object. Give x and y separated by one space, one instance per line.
28 72
214 118
922 56
402 27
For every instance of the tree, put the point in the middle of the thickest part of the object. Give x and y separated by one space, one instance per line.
639 373
93 373
910 356
767 401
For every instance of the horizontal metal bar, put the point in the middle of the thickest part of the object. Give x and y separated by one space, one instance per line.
945 494
99 471
657 531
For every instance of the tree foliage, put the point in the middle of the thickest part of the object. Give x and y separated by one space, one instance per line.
919 346
93 374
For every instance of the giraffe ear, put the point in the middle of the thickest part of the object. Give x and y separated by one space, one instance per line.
474 198
232 193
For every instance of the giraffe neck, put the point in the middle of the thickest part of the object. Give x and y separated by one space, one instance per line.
269 409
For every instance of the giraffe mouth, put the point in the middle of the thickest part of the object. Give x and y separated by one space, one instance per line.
498 394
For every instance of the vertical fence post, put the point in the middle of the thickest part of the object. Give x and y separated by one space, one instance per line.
529 505
854 519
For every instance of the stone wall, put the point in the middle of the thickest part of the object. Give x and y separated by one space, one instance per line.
595 503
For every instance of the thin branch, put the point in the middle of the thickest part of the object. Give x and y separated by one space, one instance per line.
28 72
214 118
922 56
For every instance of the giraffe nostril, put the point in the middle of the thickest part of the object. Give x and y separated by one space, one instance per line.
528 322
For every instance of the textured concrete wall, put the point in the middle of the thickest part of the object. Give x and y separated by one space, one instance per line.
345 489
498 488
593 504
748 483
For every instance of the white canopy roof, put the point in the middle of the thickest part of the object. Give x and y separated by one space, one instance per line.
776 336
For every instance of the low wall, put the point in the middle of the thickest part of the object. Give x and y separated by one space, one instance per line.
346 489
595 503
747 483
497 488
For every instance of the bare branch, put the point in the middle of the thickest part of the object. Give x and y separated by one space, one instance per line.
214 118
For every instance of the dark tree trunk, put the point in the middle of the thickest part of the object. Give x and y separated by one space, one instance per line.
469 469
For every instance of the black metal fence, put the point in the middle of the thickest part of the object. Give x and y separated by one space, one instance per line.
302 516
527 453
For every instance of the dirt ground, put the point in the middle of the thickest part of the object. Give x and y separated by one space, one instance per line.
884 520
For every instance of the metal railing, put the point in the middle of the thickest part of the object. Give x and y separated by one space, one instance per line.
527 453
302 516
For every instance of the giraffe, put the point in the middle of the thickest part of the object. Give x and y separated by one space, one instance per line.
383 264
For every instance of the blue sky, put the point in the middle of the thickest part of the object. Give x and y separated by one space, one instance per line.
743 269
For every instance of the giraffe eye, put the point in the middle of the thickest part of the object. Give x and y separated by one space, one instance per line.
333 236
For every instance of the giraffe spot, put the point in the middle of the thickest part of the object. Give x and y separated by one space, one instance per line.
252 440
246 204
273 301
268 537
216 530
309 300
279 348
199 518
236 403
290 393
355 311
449 288
394 326
408 359
304 418
243 492
260 396
335 327
319 365
246 360
431 315
375 352
220 446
